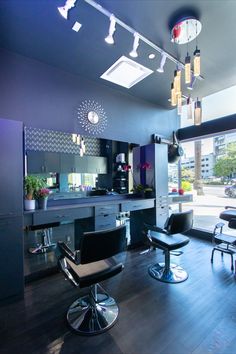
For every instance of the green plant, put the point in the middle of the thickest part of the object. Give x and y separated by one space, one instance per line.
186 185
31 185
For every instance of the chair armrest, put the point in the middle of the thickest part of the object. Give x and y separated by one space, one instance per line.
229 207
149 227
65 251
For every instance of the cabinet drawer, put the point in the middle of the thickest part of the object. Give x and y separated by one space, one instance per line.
137 205
107 209
104 222
48 216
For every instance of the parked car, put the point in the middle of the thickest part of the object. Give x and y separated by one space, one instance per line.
230 191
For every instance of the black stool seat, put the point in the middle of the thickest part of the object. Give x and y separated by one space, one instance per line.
170 242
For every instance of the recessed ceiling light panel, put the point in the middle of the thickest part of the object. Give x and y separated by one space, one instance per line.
126 72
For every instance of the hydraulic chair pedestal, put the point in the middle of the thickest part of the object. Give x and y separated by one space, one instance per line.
46 244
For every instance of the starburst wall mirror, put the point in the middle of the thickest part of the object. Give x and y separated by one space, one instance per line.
92 117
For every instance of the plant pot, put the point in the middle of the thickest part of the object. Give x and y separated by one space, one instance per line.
29 204
42 203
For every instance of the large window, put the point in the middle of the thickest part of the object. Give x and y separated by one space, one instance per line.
209 170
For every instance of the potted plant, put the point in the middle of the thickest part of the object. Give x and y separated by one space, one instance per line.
42 197
31 185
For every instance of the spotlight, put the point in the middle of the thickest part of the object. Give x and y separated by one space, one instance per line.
162 63
151 56
109 39
65 9
133 52
197 112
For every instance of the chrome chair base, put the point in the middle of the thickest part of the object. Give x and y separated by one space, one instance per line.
88 317
175 274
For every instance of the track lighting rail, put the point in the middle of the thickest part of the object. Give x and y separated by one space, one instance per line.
105 12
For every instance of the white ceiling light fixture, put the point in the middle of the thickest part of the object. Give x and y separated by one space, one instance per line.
126 72
76 26
109 39
151 56
64 10
162 63
134 53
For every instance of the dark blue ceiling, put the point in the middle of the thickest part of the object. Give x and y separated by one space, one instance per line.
35 29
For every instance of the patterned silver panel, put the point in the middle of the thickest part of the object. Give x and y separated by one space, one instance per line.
50 140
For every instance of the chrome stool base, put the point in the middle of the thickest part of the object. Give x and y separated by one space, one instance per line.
88 317
175 274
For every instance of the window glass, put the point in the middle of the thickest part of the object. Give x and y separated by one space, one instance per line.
215 187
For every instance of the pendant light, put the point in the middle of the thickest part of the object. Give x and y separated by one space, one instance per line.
197 112
197 62
179 104
197 58
177 81
173 95
189 108
187 67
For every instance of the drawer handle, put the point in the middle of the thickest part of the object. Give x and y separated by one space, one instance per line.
60 216
137 206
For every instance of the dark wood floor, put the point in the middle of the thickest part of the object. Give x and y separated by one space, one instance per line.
197 316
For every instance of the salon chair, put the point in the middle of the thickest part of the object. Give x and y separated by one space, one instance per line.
222 242
96 312
45 233
168 239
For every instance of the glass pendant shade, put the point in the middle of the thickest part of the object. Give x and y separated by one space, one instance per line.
189 108
179 104
177 81
197 63
197 112
173 96
187 69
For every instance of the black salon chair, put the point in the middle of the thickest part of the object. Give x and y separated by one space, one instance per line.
222 242
97 311
168 239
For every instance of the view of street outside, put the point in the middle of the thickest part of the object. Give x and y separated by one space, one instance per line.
207 207
208 170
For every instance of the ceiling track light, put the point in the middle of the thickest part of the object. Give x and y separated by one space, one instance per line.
105 12
162 63
134 53
64 10
109 39
197 112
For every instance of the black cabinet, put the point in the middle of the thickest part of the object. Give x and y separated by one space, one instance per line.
42 162
11 170
96 164
11 208
11 259
72 163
